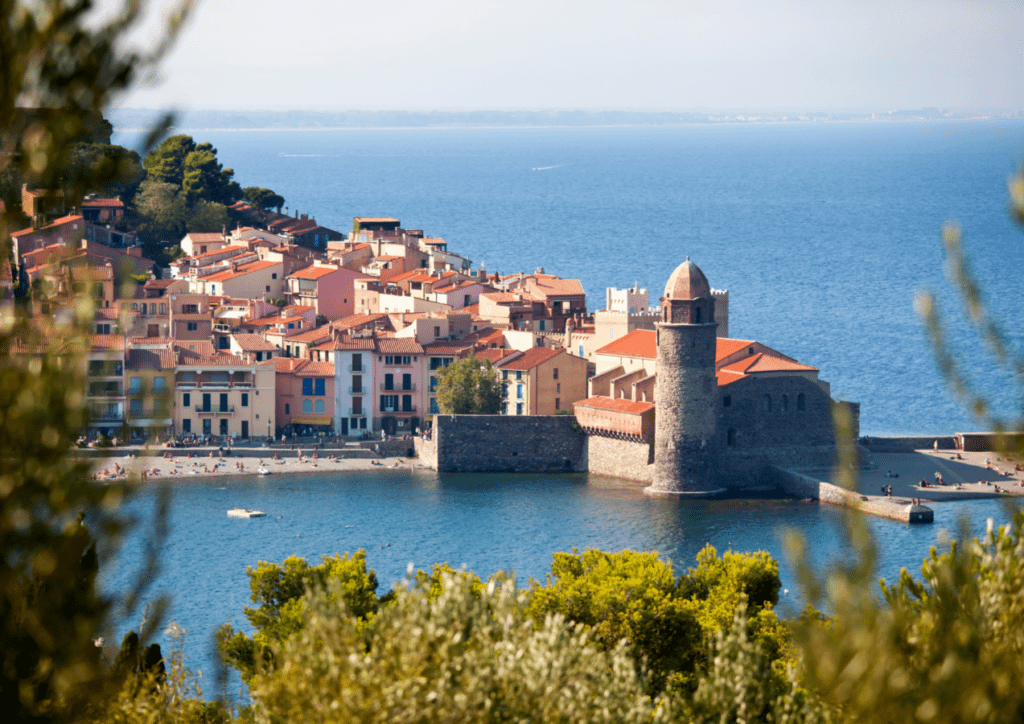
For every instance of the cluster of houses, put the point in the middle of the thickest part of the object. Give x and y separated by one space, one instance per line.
283 326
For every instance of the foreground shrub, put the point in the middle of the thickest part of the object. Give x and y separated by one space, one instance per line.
459 656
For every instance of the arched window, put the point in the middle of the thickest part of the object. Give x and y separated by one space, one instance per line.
730 437
800 404
319 405
785 403
766 403
307 406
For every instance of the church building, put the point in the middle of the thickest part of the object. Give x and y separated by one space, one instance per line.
695 414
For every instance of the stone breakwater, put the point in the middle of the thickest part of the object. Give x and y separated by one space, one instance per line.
804 486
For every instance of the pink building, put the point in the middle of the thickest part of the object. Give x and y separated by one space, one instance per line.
305 396
329 288
398 369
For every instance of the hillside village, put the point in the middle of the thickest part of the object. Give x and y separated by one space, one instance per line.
282 326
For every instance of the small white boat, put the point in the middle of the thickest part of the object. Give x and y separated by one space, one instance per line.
246 513
263 471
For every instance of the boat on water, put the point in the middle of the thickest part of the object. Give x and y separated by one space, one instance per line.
246 513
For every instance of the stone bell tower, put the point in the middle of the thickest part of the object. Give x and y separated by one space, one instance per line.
686 389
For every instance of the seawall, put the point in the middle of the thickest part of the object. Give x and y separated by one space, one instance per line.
504 443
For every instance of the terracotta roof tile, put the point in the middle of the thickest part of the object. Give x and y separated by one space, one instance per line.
640 343
532 357
151 359
102 204
242 270
253 343
766 363
616 405
53 225
107 342
313 272
398 345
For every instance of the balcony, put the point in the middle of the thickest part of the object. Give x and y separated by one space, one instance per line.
392 388
356 368
356 413
357 390
395 411
105 416
214 410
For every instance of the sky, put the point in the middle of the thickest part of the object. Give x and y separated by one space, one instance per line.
640 55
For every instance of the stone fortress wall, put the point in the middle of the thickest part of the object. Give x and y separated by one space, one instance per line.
504 443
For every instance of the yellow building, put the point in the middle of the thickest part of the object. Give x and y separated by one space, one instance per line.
217 393
542 381
150 381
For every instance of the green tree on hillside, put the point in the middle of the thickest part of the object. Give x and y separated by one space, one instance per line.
159 213
166 162
204 179
261 198
469 387
207 216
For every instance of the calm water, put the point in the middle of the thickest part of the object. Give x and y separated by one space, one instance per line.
822 233
486 523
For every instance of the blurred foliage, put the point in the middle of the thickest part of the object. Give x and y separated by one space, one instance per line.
962 277
469 387
466 655
59 69
946 648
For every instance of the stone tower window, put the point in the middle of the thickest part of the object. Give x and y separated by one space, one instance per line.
696 316
785 403
727 401
730 437
766 403
800 403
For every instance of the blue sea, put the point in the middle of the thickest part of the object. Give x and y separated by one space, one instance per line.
823 234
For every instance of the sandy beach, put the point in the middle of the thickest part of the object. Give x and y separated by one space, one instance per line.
150 464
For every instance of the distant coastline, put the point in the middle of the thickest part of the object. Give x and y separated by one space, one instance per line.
130 120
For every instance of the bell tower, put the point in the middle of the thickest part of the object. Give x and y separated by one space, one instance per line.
686 390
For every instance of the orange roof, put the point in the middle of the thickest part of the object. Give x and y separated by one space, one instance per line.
399 345
532 358
313 272
766 363
59 222
106 342
377 219
356 320
241 271
616 405
253 343
726 346
497 355
640 343
229 250
312 335
102 203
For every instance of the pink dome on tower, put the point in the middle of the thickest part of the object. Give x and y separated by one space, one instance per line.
687 282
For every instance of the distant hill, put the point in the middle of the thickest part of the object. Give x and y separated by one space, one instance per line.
128 118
